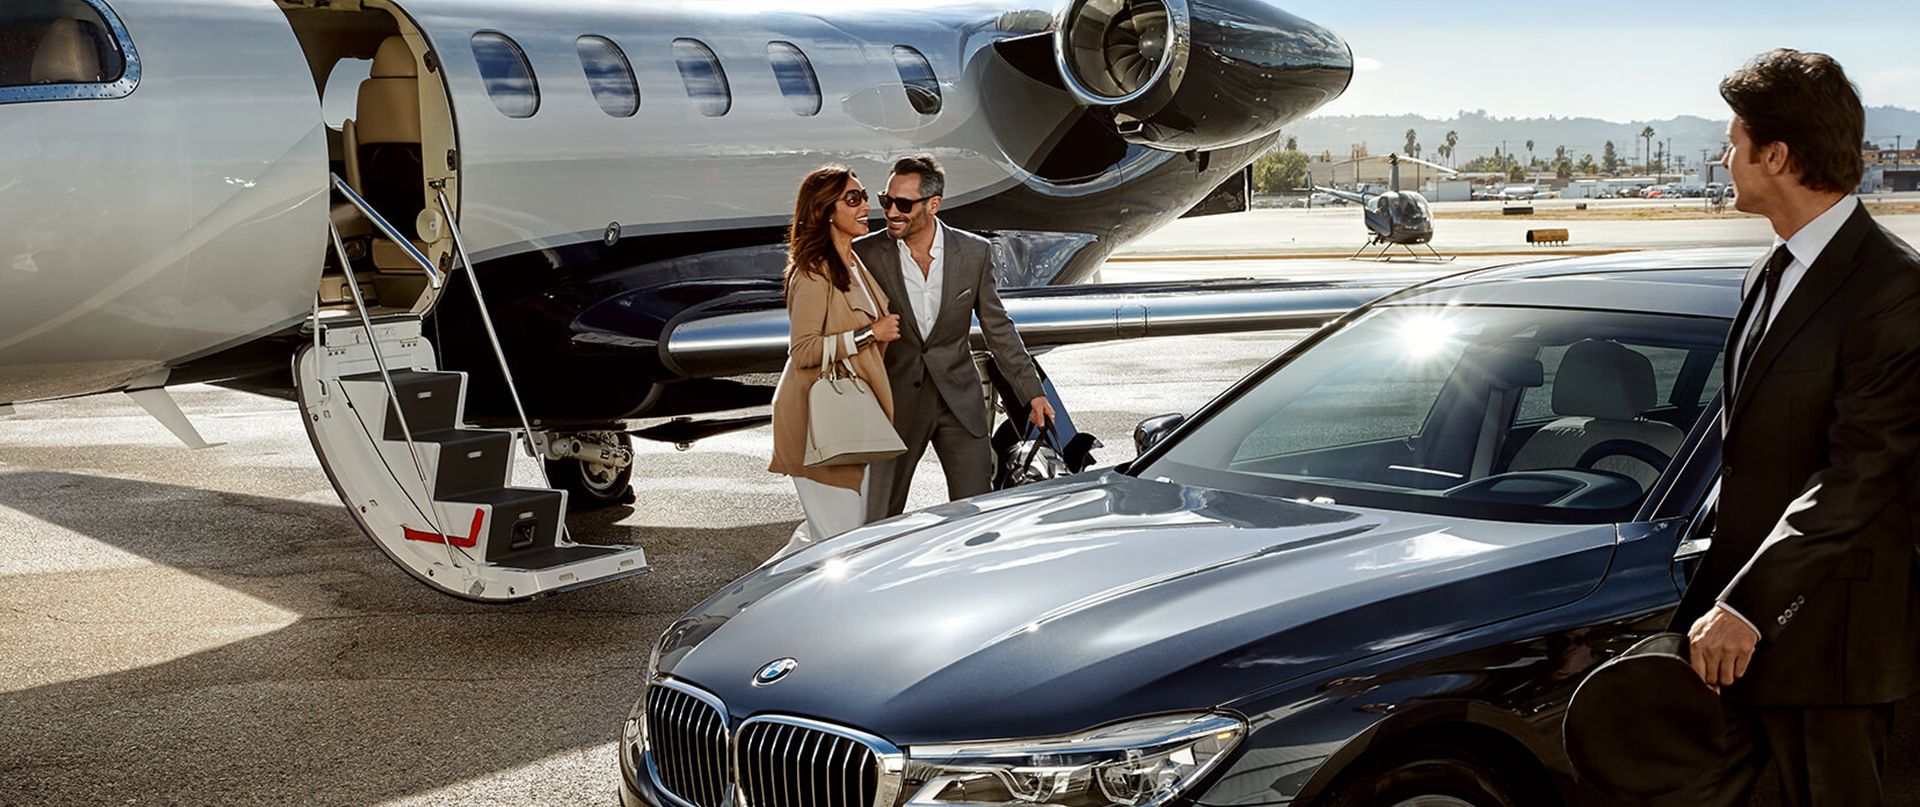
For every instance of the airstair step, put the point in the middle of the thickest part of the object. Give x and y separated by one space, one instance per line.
471 460
523 519
431 401
550 557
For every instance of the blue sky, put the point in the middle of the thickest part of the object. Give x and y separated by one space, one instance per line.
1617 61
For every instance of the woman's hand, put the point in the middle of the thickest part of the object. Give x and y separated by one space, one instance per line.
887 328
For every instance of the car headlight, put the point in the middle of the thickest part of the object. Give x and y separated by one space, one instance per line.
1140 763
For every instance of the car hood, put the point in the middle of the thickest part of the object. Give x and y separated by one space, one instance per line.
1061 606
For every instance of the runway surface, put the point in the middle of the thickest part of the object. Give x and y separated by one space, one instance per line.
209 627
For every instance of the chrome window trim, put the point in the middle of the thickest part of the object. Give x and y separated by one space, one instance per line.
892 759
726 727
90 91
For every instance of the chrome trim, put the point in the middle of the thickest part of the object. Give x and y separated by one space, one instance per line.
891 758
724 344
388 230
92 91
1171 69
729 788
1694 544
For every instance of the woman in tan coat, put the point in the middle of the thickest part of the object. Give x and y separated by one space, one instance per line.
831 298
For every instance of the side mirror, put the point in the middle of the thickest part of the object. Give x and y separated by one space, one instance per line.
1154 429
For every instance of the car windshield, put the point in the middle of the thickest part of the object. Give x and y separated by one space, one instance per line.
1513 414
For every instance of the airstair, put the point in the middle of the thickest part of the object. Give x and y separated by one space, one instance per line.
436 496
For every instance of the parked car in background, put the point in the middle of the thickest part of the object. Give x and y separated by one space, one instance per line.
1372 572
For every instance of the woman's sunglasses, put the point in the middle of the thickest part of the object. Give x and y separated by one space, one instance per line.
854 198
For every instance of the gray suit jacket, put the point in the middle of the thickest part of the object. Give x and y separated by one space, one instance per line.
944 360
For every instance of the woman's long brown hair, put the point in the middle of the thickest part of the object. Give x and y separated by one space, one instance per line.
810 240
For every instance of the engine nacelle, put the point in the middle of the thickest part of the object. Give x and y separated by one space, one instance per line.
1183 75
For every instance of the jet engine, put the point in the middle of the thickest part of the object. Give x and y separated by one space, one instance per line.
1184 75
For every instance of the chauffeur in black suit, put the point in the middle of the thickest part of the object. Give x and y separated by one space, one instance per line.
1805 614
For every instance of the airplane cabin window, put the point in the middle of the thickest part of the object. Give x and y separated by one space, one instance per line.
63 49
610 75
916 74
508 75
797 80
706 80
338 101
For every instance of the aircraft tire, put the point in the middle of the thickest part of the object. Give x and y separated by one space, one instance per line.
591 485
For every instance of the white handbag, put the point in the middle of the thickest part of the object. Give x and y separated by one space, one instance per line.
845 425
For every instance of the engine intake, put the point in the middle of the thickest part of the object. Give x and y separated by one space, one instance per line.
1198 74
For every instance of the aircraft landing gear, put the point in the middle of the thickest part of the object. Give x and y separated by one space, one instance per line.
595 468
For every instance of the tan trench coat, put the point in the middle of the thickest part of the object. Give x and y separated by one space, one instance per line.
816 310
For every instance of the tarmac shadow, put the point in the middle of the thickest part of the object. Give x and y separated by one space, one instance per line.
368 687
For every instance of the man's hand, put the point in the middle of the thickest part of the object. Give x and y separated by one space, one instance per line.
887 328
1039 411
1720 646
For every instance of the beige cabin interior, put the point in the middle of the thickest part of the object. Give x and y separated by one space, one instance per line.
397 143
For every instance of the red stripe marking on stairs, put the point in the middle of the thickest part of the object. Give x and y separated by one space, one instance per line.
473 533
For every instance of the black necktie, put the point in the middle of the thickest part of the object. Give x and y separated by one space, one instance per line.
1758 318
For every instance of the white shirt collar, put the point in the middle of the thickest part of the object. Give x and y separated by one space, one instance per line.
1807 244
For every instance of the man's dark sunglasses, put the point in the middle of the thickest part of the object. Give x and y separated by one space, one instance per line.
897 203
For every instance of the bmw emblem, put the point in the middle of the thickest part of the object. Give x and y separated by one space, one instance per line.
774 672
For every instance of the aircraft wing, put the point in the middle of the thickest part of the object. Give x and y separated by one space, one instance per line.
749 335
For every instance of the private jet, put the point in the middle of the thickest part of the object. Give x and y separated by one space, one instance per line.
550 223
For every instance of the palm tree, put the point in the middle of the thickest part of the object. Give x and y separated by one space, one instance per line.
1529 154
1647 135
1412 137
1453 139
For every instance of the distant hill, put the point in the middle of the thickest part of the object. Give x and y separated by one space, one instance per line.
1481 133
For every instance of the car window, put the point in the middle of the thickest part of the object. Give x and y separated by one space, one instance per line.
1490 412
1668 363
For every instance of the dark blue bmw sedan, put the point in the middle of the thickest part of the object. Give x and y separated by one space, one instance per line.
1371 573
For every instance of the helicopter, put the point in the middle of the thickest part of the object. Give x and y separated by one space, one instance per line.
1393 217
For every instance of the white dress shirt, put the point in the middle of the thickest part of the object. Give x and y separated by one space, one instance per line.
1805 246
923 291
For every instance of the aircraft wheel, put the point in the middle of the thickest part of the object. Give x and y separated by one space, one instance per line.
590 484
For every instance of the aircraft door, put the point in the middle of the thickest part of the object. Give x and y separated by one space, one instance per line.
162 188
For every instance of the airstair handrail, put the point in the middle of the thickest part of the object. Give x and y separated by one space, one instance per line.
486 320
430 512
387 229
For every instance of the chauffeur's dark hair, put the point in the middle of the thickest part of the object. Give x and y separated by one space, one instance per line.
1804 100
933 178
810 240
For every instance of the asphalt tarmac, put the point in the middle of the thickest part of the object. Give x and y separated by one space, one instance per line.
208 627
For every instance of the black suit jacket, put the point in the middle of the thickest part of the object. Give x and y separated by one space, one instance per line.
1816 535
944 359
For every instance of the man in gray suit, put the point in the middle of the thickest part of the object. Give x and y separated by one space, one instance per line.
939 280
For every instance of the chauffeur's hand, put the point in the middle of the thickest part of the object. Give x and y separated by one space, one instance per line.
1720 646
1039 411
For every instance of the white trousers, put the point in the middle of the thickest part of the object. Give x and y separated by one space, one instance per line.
830 511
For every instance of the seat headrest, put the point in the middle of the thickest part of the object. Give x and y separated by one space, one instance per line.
394 60
68 53
1603 380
